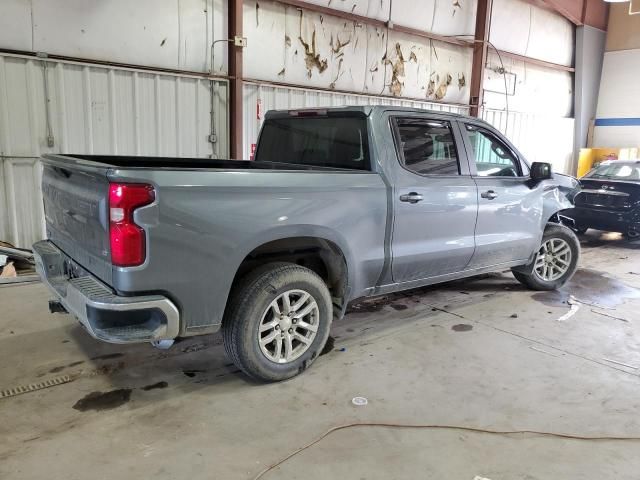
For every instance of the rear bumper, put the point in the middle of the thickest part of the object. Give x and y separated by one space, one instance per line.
608 220
105 315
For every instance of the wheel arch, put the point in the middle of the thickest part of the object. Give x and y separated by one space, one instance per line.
318 249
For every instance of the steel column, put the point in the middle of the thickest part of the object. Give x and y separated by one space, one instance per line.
235 83
483 25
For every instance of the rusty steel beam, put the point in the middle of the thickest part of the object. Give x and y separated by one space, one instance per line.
594 13
235 82
481 37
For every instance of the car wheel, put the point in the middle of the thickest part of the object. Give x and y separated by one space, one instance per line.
277 322
556 261
632 234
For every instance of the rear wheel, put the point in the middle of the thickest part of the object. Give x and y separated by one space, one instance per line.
278 321
556 260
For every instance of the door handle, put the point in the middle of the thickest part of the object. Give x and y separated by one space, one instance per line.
489 194
412 197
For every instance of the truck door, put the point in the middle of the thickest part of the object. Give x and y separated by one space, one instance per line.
435 199
510 210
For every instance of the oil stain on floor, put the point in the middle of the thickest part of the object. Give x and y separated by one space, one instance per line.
462 327
99 401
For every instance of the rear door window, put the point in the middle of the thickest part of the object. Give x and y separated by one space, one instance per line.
427 147
336 142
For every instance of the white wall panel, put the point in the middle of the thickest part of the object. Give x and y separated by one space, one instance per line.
620 85
444 17
541 138
95 110
172 34
15 24
530 88
21 216
272 97
300 47
424 69
522 28
619 99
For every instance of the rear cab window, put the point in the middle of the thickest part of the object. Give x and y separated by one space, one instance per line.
321 141
426 147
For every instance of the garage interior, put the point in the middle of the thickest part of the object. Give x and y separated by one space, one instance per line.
477 379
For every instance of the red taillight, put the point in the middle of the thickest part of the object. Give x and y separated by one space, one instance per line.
127 239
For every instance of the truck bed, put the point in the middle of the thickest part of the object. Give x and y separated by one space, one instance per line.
184 163
208 215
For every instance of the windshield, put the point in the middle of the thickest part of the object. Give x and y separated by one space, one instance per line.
614 171
337 142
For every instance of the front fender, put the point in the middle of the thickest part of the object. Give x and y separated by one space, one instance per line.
554 200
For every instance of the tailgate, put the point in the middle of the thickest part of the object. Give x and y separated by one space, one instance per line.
76 205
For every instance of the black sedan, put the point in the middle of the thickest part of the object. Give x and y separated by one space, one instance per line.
609 199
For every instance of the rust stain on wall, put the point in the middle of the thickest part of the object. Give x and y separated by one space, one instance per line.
332 85
444 86
461 81
397 71
312 59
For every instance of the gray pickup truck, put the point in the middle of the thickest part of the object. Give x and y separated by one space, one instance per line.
339 204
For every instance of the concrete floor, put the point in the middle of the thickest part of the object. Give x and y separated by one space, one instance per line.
483 353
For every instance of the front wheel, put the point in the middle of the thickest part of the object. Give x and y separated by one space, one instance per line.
277 322
556 260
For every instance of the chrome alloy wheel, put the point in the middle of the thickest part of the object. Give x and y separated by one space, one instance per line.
553 260
288 326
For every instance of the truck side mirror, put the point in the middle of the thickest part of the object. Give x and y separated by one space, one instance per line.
540 171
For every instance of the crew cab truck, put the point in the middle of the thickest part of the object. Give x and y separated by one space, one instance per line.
339 204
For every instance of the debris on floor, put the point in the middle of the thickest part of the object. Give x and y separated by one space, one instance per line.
620 363
16 264
575 306
8 271
32 387
359 401
609 316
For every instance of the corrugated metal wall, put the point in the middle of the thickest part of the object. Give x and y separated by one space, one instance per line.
68 107
275 97
539 138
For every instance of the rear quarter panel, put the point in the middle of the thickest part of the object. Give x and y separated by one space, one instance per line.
204 223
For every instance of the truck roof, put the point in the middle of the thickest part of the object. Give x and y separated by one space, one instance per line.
363 109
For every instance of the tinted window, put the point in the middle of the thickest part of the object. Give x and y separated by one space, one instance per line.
321 141
493 158
428 147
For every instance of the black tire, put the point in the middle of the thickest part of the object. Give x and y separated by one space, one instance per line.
535 282
251 298
632 234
